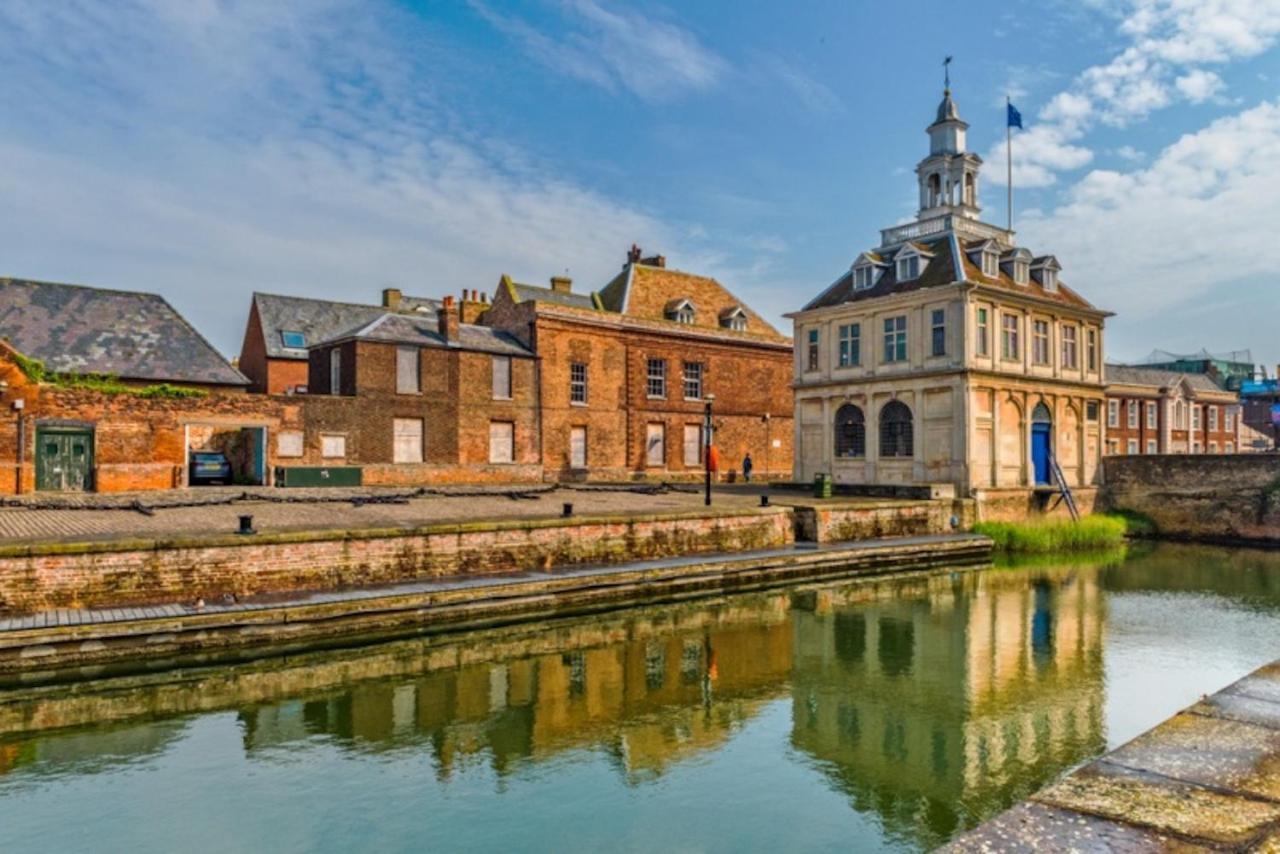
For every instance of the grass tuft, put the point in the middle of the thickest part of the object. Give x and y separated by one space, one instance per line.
1092 533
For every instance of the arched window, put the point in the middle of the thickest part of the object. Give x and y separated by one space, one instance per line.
935 190
851 432
895 430
969 193
1041 414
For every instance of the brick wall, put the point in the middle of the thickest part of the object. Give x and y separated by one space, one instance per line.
1228 497
826 523
106 574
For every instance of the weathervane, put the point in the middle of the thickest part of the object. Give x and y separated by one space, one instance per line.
946 73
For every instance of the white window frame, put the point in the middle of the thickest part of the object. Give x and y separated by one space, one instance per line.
1153 419
1131 413
1113 413
578 386
896 348
1040 342
1132 447
909 268
991 264
982 322
1213 418
1153 447
656 378
408 440
1010 338
1070 348
694 375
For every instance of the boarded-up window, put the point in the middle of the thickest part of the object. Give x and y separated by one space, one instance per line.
289 444
333 446
502 377
335 371
692 445
655 445
502 442
407 371
407 440
578 447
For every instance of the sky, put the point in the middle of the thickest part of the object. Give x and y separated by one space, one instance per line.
205 149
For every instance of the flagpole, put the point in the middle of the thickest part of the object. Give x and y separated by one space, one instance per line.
1008 157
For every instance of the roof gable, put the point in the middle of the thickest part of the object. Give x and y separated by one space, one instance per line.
126 334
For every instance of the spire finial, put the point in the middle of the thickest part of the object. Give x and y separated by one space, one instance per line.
946 75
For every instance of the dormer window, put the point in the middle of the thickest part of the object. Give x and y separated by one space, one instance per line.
293 340
1021 272
681 311
866 271
1045 270
1018 265
986 255
1050 280
734 318
908 268
990 264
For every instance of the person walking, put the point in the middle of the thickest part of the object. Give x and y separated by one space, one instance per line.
747 466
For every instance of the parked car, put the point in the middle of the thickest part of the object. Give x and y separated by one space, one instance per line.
209 467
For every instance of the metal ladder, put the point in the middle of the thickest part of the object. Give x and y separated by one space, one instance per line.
1065 490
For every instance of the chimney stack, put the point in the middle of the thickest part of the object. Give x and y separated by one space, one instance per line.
472 306
447 319
391 298
561 284
633 254
654 261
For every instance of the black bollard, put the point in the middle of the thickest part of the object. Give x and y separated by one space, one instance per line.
246 525
764 501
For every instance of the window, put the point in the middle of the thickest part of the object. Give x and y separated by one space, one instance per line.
1180 416
655 445
735 319
1050 279
333 446
502 442
738 323
991 264
1229 448
289 444
407 364
293 340
895 339
851 432
1113 447
656 382
864 277
1113 413
578 447
692 445
1091 349
407 440
683 314
984 333
1213 447
1213 417
1151 446
850 345
1091 410
1229 420
1021 272
1195 417
1070 348
1132 409
895 430
578 382
1133 446
1151 414
938 327
692 380
335 371
501 377
1195 447
1011 349
1040 342
908 268
813 350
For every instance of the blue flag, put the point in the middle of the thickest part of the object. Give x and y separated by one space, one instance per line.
1015 117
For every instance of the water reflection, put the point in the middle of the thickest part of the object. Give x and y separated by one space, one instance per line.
927 702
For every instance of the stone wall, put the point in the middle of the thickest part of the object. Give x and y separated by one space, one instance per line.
1210 497
1022 504
103 574
837 522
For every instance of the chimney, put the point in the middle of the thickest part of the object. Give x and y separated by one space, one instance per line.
447 319
561 284
391 298
633 254
654 261
472 307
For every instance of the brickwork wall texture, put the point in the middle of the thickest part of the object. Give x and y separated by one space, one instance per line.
1212 435
1023 505
842 523
105 575
1229 497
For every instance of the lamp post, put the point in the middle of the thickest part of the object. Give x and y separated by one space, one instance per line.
767 439
706 451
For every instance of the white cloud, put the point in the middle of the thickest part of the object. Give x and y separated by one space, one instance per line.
616 49
814 95
1199 85
1129 153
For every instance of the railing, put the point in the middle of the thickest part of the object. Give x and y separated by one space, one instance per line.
1061 480
947 222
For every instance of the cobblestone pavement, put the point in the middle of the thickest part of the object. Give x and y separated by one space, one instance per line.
325 509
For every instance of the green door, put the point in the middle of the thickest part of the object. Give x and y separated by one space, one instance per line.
64 460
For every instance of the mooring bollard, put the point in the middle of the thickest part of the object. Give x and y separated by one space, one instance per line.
246 525
764 501
568 510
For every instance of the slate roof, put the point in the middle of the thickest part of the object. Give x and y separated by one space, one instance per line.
1157 378
944 268
423 330
126 334
319 320
524 293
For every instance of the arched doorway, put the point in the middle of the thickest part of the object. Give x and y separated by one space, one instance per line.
1041 443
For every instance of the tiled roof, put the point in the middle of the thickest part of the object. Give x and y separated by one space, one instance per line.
1157 378
525 293
423 330
319 319
648 290
126 334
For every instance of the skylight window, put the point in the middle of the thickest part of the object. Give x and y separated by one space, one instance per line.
293 340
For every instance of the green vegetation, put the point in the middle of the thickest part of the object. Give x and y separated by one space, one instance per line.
36 371
1092 533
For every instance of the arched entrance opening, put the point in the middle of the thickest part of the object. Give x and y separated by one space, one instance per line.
1041 443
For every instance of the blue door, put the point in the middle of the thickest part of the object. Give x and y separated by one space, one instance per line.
1040 452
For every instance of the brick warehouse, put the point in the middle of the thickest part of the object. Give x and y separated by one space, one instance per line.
1156 411
625 373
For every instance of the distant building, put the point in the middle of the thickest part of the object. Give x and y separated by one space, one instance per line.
1156 411
948 353
1260 403
1228 370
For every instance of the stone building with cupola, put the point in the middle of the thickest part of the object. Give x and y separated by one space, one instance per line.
950 355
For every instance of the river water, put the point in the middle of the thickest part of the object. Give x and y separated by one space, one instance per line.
887 714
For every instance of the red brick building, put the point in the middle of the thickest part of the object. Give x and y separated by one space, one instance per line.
1155 411
625 374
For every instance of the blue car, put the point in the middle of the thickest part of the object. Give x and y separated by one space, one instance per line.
209 467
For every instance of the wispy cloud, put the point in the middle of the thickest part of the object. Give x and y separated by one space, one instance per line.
616 49
811 93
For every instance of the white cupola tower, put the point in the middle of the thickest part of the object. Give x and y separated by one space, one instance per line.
949 175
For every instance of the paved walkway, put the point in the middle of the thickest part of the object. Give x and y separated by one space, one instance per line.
506 584
1207 779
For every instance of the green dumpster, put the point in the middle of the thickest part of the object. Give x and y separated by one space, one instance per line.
318 476
822 486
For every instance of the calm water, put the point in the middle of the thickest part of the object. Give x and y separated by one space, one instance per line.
853 715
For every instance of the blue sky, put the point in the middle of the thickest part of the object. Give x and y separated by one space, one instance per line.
207 148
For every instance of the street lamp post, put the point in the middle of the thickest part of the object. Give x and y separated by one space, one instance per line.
706 451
